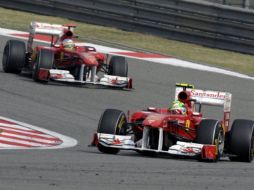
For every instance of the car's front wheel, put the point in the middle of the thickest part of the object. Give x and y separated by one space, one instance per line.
211 132
113 122
44 60
118 66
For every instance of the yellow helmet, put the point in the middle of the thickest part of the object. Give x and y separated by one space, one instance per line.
177 107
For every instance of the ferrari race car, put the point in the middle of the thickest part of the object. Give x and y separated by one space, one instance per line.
80 65
154 131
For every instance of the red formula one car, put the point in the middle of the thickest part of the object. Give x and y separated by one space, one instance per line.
156 131
75 64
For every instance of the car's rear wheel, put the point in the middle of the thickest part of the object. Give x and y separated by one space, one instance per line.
118 66
113 122
44 60
241 140
14 56
211 132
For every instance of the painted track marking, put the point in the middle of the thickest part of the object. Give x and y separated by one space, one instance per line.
19 135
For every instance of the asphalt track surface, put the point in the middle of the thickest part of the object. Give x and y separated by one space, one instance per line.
75 111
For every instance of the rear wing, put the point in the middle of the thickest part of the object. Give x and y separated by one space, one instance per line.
46 28
53 30
209 97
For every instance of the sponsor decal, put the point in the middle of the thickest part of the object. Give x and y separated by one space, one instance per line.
116 142
208 94
190 150
47 26
187 124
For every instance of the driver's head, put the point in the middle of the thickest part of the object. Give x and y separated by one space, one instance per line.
68 44
177 107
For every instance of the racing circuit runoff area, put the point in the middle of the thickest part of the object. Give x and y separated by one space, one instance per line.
75 111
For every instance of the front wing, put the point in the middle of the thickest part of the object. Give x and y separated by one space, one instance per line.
188 149
64 76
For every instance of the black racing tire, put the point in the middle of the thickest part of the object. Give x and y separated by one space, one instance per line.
211 132
241 140
45 60
114 122
14 56
118 66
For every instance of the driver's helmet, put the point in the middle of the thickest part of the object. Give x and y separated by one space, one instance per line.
177 107
68 44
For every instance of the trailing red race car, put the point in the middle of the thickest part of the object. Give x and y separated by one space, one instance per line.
187 134
64 61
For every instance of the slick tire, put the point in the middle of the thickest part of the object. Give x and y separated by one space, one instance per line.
113 122
118 66
45 60
211 132
14 56
241 140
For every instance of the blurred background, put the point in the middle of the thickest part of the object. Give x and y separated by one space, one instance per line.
237 3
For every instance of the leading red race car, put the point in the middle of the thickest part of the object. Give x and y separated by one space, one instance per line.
78 64
156 131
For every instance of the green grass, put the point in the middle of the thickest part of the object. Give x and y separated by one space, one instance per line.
242 63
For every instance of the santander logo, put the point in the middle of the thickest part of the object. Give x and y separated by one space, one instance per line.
208 94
